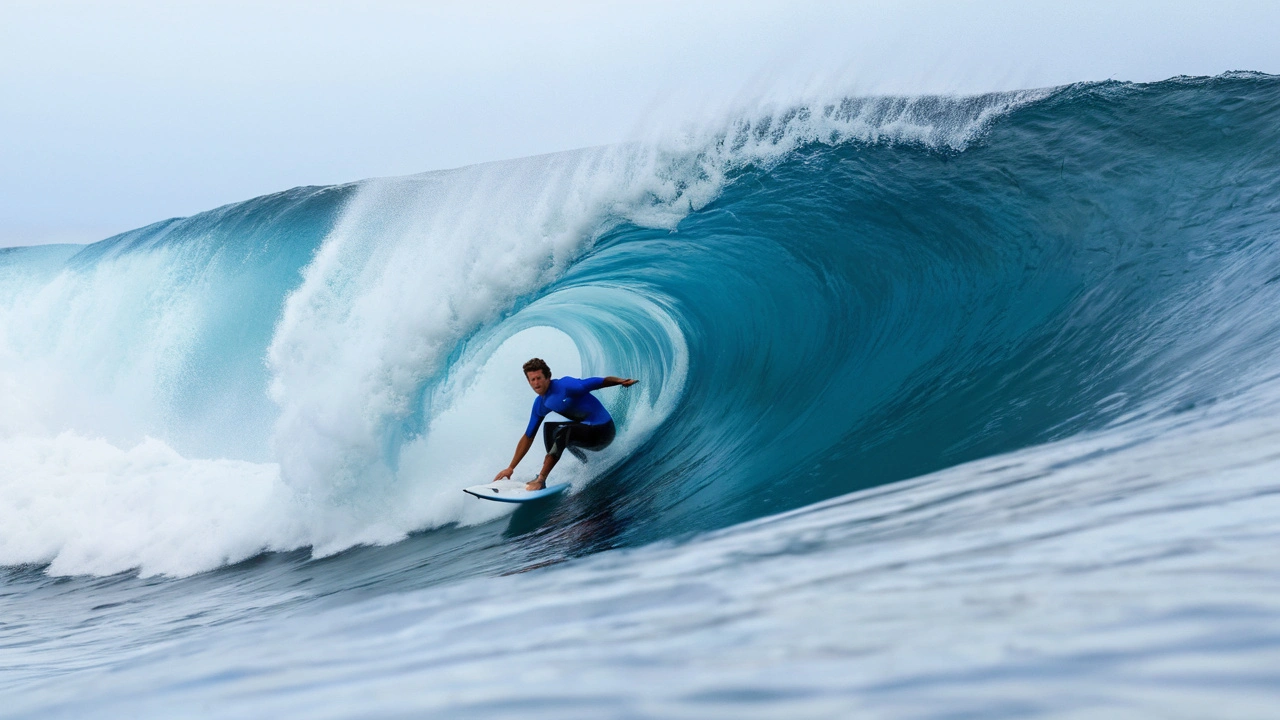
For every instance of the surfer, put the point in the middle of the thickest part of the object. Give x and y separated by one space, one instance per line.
591 426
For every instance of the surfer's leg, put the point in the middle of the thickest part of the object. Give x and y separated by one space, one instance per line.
604 436
579 438
574 437
549 431
595 437
547 463
559 436
555 438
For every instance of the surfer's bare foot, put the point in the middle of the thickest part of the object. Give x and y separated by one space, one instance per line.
535 484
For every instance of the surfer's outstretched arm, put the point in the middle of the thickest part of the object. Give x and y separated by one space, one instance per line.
522 447
610 381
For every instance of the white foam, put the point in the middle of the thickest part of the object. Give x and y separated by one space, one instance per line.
89 348
87 507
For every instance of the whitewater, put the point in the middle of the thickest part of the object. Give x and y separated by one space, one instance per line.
948 407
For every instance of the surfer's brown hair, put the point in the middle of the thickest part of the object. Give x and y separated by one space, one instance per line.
538 364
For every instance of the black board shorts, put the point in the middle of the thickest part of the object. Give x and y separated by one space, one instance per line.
576 437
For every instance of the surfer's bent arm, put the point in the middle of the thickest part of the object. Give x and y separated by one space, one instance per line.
522 448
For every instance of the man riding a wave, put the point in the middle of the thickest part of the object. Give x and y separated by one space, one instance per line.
590 427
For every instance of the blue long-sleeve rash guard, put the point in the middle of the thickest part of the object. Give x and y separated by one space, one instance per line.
571 398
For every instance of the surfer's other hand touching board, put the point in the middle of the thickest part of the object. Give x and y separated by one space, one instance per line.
590 426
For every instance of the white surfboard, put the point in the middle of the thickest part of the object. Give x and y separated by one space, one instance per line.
513 491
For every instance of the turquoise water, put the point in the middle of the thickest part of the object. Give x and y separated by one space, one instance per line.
948 408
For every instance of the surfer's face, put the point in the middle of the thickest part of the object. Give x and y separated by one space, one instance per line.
538 380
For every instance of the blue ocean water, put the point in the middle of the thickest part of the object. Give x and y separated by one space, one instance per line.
948 407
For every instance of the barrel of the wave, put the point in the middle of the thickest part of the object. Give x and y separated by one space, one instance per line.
589 428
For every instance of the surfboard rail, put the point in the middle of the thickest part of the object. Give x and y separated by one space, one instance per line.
512 491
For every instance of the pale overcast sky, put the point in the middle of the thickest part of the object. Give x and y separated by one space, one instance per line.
117 114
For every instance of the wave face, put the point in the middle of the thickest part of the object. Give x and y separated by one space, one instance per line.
816 299
947 406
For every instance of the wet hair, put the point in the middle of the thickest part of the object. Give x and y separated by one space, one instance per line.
538 364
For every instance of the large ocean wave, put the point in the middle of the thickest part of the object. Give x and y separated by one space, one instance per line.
817 298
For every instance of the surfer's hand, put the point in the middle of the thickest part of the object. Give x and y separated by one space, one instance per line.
505 474
628 382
